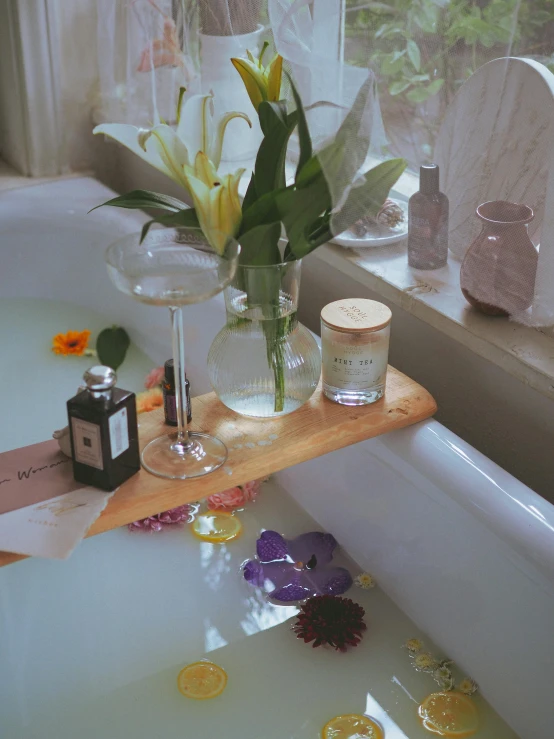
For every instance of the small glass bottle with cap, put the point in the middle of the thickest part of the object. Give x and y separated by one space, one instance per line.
169 392
355 350
428 222
104 431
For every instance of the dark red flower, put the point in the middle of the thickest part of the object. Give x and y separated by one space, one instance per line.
328 619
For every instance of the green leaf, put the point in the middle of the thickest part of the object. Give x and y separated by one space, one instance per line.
144 199
343 157
186 218
368 198
397 87
393 63
420 94
269 171
260 245
112 345
414 55
435 86
417 95
381 8
263 211
251 195
299 209
304 137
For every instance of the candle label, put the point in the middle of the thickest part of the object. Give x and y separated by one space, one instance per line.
355 367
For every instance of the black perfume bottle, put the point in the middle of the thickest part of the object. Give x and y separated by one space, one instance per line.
428 222
168 387
104 432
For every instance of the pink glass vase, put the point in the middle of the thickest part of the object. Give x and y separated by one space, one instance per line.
499 270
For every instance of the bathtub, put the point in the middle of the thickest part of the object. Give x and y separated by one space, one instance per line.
464 549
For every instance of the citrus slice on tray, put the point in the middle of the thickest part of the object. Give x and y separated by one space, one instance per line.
352 726
217 526
449 714
202 680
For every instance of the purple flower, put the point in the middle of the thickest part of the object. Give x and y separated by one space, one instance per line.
296 569
175 516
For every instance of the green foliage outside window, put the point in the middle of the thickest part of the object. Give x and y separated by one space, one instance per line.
422 50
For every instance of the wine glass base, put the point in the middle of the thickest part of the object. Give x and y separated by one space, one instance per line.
165 458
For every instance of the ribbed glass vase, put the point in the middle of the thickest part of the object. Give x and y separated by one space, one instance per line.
264 363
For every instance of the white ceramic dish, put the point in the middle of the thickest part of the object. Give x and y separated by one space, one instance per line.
377 235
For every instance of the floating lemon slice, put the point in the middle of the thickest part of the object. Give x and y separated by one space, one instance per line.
352 726
449 714
217 526
202 680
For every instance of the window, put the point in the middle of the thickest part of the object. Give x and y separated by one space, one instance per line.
423 50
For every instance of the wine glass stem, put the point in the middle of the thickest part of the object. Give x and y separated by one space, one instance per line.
182 443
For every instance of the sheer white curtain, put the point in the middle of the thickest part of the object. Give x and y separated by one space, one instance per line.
125 61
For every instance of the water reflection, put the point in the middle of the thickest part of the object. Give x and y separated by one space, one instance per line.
262 615
212 637
390 728
216 561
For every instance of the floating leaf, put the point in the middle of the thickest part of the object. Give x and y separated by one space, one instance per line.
112 345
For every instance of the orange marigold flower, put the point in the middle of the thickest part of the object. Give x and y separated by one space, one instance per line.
73 342
149 400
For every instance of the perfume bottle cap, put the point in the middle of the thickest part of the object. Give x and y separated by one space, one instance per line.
429 178
98 379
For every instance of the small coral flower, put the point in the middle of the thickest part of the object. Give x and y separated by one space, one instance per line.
73 342
154 378
149 400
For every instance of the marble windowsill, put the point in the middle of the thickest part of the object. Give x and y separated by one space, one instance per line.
435 297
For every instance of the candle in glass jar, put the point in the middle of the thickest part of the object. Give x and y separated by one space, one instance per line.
355 349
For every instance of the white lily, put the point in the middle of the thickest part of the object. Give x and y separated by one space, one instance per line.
216 200
170 150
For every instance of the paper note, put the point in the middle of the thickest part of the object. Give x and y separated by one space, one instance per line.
34 473
44 512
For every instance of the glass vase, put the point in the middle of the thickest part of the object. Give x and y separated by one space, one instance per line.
264 363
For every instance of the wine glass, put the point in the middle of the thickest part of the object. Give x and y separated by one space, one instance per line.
174 267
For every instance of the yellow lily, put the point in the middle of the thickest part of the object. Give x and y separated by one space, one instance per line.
171 150
216 200
261 82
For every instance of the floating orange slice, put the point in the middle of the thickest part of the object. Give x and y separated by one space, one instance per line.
202 680
352 726
217 526
450 714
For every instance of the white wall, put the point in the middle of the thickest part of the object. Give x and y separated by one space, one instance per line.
500 416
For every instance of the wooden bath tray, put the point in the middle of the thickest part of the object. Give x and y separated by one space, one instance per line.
260 447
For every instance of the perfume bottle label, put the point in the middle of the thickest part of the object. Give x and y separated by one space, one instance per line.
119 433
355 367
170 407
87 443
